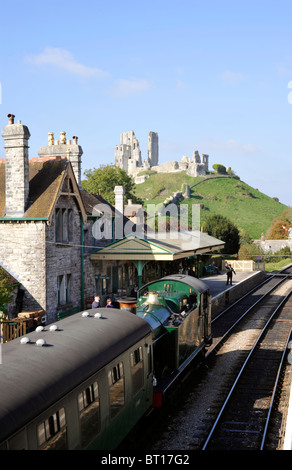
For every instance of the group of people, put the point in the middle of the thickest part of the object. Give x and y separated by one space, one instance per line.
96 303
229 271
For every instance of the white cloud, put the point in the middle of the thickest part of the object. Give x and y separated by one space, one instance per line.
231 77
64 60
124 88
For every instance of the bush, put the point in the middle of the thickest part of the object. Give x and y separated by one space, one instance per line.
221 169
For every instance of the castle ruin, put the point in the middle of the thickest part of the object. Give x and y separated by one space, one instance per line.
128 158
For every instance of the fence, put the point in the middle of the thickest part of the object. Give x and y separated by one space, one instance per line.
244 265
11 329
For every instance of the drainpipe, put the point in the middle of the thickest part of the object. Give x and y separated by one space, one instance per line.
82 263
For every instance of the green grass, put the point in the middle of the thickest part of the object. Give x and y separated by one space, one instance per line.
249 209
276 266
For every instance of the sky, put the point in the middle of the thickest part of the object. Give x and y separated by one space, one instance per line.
205 75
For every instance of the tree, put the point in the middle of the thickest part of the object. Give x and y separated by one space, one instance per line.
5 291
222 228
280 225
105 178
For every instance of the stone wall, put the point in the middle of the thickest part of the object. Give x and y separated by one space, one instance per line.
227 297
63 259
22 254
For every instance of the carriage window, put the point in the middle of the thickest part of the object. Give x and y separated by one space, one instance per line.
88 402
136 359
116 389
52 434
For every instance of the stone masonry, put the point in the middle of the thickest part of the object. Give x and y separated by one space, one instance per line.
128 157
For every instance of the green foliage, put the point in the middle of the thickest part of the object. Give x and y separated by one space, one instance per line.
276 230
221 169
220 227
248 208
5 291
105 178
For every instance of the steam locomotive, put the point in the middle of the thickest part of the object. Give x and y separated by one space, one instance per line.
84 382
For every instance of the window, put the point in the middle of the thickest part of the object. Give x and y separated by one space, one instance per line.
116 389
88 403
136 361
64 225
52 433
64 289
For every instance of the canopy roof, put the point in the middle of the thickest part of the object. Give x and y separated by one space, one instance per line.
168 246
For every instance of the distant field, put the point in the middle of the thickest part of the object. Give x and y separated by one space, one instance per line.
248 208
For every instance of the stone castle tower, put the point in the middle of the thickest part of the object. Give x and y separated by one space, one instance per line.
128 153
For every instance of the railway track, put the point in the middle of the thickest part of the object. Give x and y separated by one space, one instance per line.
229 403
243 420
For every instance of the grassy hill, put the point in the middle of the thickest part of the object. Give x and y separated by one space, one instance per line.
248 208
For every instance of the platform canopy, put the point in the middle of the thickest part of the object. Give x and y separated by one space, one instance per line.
167 246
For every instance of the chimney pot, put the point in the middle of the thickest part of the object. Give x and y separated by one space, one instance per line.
10 118
51 138
63 137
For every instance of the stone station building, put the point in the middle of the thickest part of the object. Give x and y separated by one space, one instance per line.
53 237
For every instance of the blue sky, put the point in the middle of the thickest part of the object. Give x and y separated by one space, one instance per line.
206 75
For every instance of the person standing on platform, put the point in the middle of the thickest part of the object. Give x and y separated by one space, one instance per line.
230 270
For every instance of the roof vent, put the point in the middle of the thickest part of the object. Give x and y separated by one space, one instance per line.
54 328
41 342
98 315
25 340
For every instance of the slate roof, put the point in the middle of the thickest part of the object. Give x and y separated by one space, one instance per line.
46 177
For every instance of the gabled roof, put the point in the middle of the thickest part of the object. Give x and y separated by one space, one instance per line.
47 179
169 246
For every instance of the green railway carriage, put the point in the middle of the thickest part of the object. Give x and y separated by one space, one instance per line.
86 387
85 382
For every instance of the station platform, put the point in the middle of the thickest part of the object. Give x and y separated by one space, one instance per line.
218 282
223 295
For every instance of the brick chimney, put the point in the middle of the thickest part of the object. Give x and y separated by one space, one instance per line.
16 167
64 148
